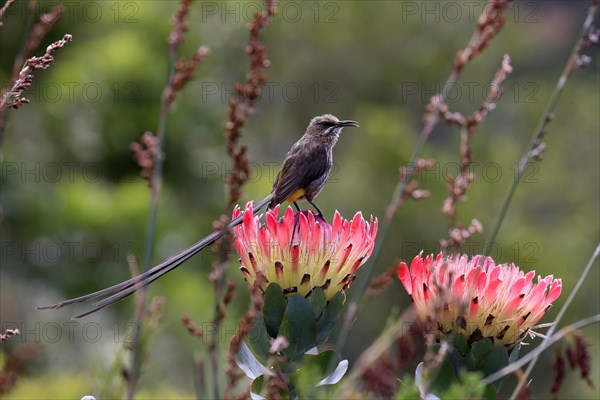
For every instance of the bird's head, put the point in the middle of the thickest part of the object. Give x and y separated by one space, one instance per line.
327 127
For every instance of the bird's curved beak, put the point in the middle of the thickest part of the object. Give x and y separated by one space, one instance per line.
347 122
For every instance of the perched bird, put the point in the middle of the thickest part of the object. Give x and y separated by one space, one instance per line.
303 175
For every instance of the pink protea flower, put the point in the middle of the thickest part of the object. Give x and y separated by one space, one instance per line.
301 250
487 300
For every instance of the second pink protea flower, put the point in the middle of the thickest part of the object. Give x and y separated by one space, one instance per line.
486 300
301 251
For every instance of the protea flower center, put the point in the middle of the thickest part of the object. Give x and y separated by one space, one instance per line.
485 300
301 251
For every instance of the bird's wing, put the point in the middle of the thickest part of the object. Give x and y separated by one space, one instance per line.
298 171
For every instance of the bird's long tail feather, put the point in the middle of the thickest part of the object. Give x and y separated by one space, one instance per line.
128 287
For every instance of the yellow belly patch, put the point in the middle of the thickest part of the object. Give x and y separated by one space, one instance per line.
296 195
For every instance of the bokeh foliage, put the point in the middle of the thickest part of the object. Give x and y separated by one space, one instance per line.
73 204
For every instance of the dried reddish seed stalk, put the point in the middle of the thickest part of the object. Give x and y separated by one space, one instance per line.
8 334
591 37
184 68
458 185
145 153
242 105
239 108
184 72
458 234
229 293
583 359
37 34
437 104
13 365
558 366
577 355
411 189
490 23
12 98
380 377
381 282
192 327
180 25
3 10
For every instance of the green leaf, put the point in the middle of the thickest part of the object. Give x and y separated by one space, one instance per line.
467 386
274 308
298 327
460 355
445 374
330 315
458 342
325 362
319 370
407 388
258 385
318 301
258 339
481 349
494 361
490 393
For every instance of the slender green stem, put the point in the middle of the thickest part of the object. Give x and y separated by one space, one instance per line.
367 270
217 318
364 277
156 185
541 126
510 368
559 316
156 179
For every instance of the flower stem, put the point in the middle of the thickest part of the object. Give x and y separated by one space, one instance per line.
539 131
155 187
510 368
477 43
362 282
559 316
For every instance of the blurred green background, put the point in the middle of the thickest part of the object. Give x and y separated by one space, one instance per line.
73 204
